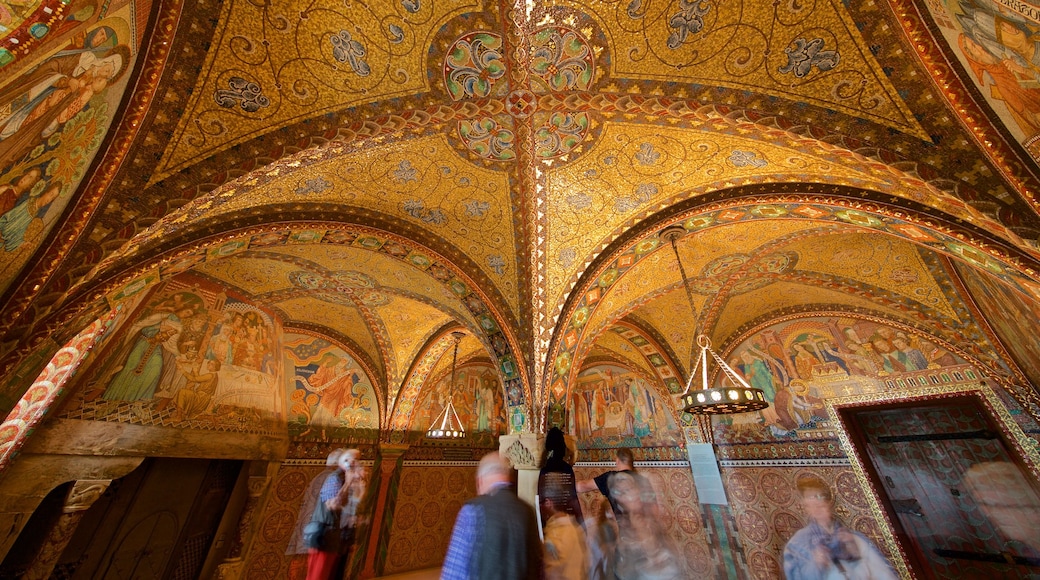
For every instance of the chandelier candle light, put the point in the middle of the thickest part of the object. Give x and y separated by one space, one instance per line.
740 397
447 425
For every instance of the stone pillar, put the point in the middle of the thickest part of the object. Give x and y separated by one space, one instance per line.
261 474
81 496
381 517
524 451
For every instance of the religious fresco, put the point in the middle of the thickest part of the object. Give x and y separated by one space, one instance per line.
190 356
799 364
613 406
40 27
478 400
53 117
1012 316
995 42
328 391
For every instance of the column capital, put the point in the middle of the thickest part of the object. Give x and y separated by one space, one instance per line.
524 450
83 494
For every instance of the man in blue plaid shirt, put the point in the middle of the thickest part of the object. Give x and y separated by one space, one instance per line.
496 534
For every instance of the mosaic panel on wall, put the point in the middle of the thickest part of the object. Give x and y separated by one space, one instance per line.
278 551
678 510
54 115
478 400
613 406
328 392
189 356
994 41
1012 317
428 500
800 363
767 506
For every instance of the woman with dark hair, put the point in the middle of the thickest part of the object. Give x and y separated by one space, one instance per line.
556 478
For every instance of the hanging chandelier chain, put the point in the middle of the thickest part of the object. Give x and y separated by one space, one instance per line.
741 397
682 272
454 360
448 425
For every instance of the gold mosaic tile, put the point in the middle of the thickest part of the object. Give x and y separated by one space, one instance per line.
807 52
421 181
409 324
637 169
274 63
345 320
880 261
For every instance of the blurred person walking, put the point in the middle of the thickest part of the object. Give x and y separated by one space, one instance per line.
644 550
623 463
496 533
827 550
601 532
329 535
566 554
556 480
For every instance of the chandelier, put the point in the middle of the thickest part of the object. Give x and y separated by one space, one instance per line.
740 397
447 424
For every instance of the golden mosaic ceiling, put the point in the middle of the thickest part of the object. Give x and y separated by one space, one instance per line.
382 172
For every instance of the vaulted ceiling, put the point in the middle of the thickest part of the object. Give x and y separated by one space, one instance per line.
384 172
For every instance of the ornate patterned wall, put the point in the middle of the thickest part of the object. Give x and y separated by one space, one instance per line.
765 502
428 499
680 513
268 558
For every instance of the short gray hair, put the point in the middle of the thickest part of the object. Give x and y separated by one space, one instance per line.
493 464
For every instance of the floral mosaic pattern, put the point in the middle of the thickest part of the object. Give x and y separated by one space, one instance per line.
561 60
560 134
473 65
490 140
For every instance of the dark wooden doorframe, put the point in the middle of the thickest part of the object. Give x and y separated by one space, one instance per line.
899 510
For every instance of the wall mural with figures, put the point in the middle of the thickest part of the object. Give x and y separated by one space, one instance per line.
995 42
1010 315
613 406
56 104
328 390
191 356
478 400
800 363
